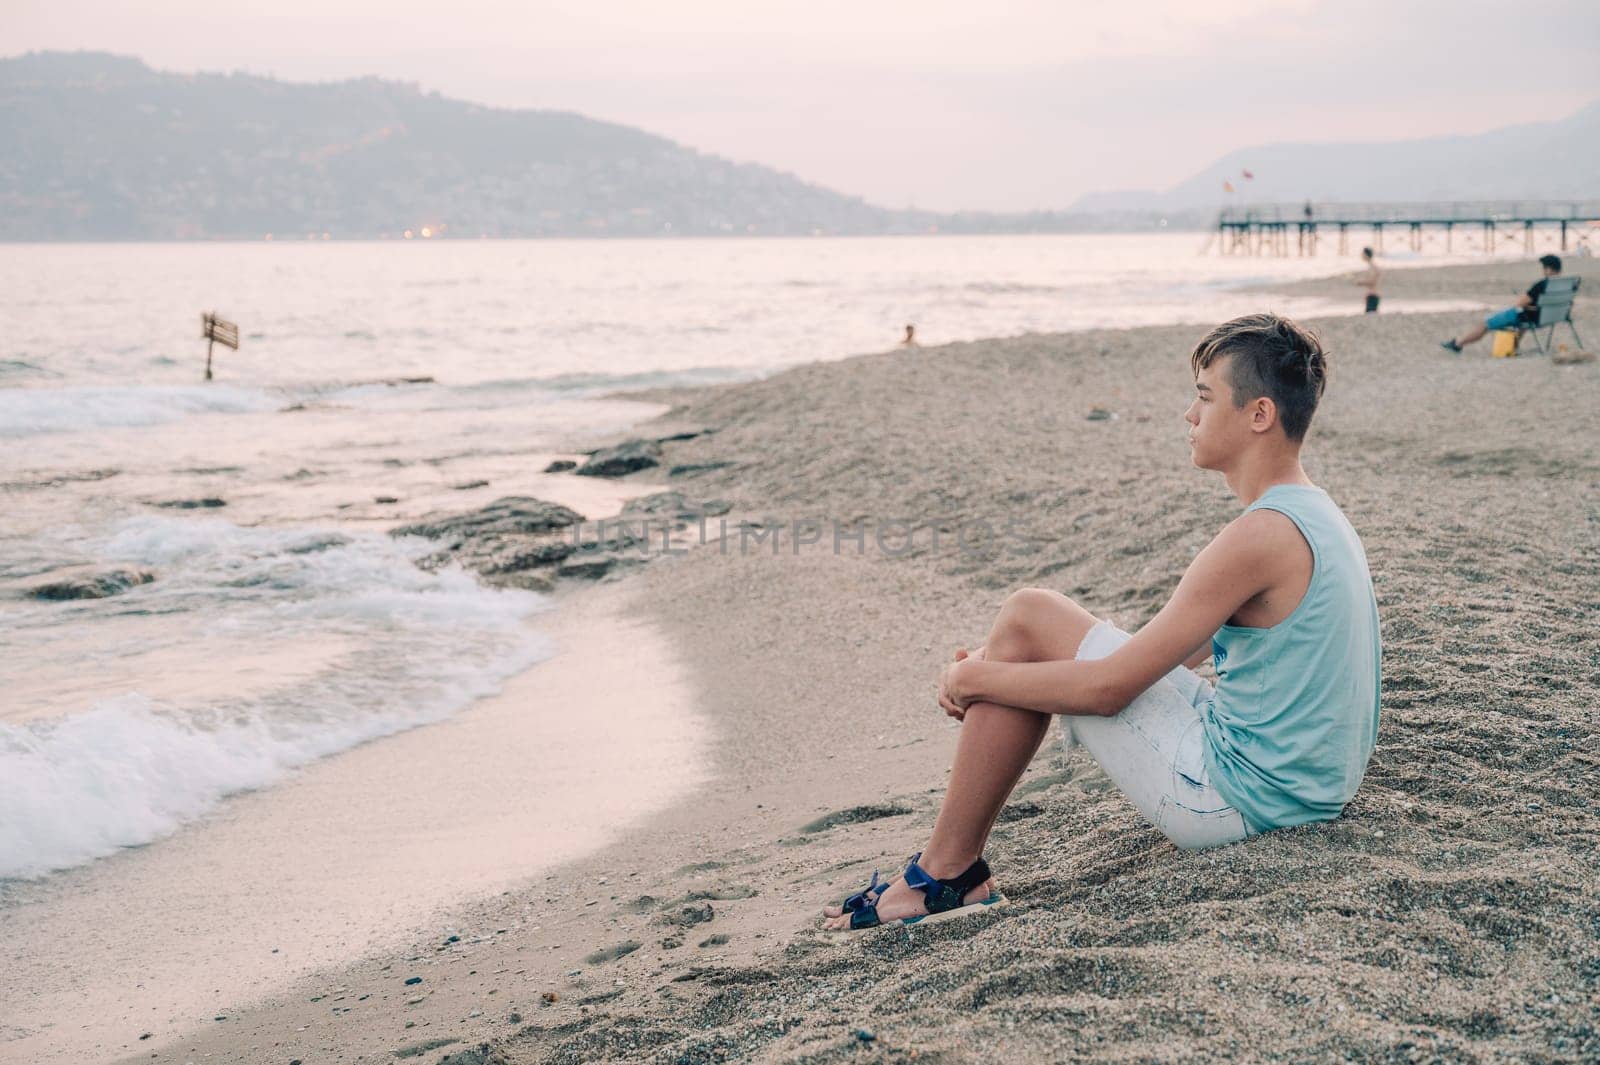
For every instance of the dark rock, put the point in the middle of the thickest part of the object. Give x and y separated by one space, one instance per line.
385 499
193 504
514 558
689 916
464 485
507 515
865 1035
588 569
526 580
1098 414
697 467
413 980
92 585
561 466
675 437
622 460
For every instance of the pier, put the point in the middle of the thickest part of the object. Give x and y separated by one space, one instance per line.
1488 228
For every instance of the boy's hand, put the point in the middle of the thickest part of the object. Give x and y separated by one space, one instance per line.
951 699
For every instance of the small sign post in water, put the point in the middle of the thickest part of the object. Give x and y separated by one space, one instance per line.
217 331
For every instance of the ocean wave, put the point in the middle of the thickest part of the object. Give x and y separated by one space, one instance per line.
577 383
23 368
413 648
29 411
1012 288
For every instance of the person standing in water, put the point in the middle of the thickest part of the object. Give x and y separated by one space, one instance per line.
1369 280
910 340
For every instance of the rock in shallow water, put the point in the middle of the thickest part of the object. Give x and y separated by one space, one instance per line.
193 504
94 585
509 514
623 459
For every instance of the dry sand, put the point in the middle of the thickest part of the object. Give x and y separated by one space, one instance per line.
1451 915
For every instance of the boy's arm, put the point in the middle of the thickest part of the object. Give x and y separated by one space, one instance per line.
1232 569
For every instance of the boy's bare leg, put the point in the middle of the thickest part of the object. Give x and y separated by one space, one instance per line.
997 743
1472 335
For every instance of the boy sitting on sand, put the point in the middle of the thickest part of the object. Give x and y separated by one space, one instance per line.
1282 601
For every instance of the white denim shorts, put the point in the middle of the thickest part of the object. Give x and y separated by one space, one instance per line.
1154 752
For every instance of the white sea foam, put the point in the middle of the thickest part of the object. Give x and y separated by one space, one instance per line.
28 411
131 769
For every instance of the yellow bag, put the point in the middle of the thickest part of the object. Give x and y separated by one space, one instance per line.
1505 343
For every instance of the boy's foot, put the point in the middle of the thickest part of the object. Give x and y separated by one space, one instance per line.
900 900
1451 345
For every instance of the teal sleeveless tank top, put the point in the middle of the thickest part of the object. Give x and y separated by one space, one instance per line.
1295 714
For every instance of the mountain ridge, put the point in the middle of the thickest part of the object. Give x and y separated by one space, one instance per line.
1556 159
104 147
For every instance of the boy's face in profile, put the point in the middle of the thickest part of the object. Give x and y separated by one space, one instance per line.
1218 430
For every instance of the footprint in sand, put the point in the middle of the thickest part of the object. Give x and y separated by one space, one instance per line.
612 953
855 815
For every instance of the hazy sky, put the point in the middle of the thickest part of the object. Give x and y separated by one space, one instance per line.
1008 104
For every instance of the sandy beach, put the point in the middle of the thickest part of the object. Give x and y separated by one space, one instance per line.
1451 915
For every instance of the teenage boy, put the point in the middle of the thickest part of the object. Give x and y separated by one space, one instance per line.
1282 602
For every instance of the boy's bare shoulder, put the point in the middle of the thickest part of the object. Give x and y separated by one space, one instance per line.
1258 537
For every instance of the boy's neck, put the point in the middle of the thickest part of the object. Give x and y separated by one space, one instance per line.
1250 479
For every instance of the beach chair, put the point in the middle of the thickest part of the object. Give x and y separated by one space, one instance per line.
1554 307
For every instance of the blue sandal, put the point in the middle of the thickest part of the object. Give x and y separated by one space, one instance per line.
945 898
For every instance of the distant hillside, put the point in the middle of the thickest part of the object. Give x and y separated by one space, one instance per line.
1538 161
102 147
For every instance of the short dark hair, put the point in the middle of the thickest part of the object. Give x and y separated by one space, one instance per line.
1551 262
1271 356
1366 253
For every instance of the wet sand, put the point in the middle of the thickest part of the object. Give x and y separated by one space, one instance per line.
1451 915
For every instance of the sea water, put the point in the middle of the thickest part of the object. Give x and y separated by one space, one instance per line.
377 382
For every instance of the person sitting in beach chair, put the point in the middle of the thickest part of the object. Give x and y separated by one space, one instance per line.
1513 317
1281 600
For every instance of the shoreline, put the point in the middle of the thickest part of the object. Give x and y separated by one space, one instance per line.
354 853
823 712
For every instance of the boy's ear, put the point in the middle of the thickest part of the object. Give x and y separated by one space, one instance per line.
1263 414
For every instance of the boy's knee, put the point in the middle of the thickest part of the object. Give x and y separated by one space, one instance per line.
1027 603
1032 625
